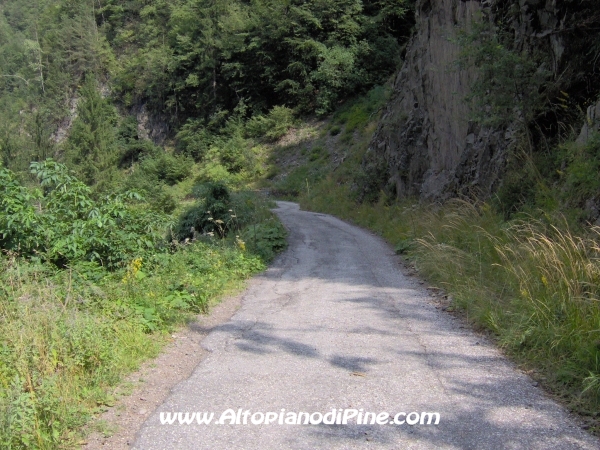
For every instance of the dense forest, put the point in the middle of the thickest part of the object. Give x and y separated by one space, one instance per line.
192 65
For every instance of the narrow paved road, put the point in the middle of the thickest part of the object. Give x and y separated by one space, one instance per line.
334 324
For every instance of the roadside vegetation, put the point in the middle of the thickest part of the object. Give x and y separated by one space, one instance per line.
530 279
91 288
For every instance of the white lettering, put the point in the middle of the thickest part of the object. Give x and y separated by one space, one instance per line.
412 421
349 414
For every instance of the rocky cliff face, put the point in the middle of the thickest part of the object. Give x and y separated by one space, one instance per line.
425 144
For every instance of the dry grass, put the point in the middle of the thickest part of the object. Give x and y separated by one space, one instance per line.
535 286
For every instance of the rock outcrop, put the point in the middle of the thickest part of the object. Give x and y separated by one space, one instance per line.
426 145
150 126
591 124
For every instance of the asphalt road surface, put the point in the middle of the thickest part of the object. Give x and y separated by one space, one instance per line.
335 325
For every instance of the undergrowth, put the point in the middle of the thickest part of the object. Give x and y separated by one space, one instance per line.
91 288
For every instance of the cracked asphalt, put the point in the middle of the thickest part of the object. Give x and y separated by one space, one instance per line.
334 324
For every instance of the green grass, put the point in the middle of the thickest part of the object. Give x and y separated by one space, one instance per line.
67 336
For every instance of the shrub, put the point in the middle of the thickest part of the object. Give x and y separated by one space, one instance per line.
194 140
68 225
580 177
134 151
212 215
166 167
272 126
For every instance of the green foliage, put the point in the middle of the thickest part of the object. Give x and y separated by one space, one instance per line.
356 119
165 167
18 218
68 225
335 130
565 181
154 172
510 83
195 57
92 140
300 179
266 239
357 113
194 139
224 146
579 178
404 246
518 189
70 335
272 126
46 46
131 147
114 289
212 215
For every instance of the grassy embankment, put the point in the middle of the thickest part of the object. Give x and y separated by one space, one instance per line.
533 282
95 287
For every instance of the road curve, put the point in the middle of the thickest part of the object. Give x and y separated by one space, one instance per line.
334 324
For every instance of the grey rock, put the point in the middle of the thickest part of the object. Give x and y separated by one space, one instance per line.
591 124
425 144
151 126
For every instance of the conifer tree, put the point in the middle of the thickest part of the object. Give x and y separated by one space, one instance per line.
92 142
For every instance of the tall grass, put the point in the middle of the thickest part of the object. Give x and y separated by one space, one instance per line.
533 283
67 336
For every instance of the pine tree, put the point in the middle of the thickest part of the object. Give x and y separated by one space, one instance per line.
92 141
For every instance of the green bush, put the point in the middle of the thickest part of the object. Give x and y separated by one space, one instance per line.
166 167
134 151
212 215
580 177
266 239
68 225
154 173
272 126
194 140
